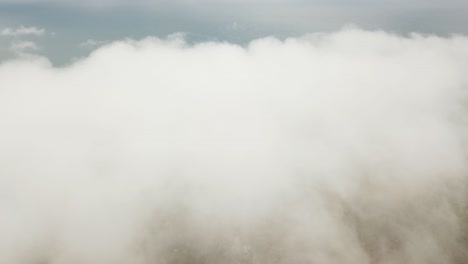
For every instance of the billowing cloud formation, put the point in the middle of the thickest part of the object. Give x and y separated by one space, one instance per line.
330 148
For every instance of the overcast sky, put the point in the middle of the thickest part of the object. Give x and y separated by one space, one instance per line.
72 28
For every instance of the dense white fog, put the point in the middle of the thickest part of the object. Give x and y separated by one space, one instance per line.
348 147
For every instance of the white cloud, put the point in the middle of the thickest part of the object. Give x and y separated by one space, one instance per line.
330 148
22 31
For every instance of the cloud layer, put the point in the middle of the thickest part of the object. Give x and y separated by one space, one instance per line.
347 147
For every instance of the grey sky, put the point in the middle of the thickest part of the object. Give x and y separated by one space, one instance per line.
71 22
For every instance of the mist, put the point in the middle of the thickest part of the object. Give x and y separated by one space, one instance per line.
345 147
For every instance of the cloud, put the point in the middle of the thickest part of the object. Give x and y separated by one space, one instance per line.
348 147
22 31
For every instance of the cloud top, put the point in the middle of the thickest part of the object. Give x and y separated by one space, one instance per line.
348 147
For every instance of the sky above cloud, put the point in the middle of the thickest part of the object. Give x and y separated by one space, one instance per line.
237 21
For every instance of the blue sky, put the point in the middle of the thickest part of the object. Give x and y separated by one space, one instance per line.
74 28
